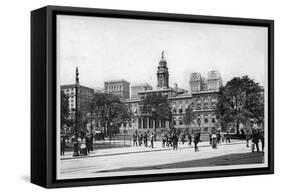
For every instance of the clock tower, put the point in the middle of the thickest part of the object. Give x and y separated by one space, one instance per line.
162 74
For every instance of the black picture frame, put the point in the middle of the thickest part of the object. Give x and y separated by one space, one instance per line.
43 95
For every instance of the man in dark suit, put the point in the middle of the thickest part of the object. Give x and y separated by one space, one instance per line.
62 145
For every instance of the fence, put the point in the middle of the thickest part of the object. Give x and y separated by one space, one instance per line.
115 141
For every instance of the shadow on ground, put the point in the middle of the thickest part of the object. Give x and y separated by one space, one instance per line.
230 159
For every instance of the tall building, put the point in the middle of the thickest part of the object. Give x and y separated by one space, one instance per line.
85 95
135 89
162 74
202 99
120 88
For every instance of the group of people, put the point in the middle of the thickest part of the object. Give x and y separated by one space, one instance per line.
256 135
169 138
140 139
216 137
85 143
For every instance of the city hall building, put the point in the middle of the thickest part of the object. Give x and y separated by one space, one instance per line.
202 98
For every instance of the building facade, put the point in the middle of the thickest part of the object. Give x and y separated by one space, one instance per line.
202 99
135 89
85 95
120 88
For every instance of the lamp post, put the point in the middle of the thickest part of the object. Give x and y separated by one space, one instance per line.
154 118
75 146
199 123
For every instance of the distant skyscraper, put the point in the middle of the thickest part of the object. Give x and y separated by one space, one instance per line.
120 88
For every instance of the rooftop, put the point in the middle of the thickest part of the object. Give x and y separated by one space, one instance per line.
116 81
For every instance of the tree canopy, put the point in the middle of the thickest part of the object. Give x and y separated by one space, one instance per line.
239 100
189 116
158 106
108 109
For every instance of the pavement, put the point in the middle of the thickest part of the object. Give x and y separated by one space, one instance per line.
112 162
141 149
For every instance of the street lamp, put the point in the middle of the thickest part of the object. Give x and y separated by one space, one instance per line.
153 117
76 145
199 123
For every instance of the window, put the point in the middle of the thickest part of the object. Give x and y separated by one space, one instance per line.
175 111
174 122
180 122
139 123
157 124
206 120
198 121
180 111
144 123
163 124
150 123
213 120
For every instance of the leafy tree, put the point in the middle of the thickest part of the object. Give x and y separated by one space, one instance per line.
158 107
189 116
108 109
240 100
64 109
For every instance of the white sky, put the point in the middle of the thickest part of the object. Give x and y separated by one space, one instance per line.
106 49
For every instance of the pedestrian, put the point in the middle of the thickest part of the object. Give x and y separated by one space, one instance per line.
88 143
262 139
210 137
145 137
170 139
227 138
214 140
189 139
218 137
91 142
151 140
255 139
163 136
222 137
247 137
196 140
182 138
175 141
83 146
135 139
140 138
62 145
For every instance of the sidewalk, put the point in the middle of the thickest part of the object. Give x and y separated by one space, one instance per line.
142 149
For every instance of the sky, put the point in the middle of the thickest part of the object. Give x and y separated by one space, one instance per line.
108 48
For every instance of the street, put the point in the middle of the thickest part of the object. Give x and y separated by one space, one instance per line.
143 158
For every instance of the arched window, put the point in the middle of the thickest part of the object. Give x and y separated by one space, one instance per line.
181 122
206 120
174 122
213 120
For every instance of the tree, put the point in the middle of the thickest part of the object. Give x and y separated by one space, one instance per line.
189 116
109 110
158 107
64 110
240 100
